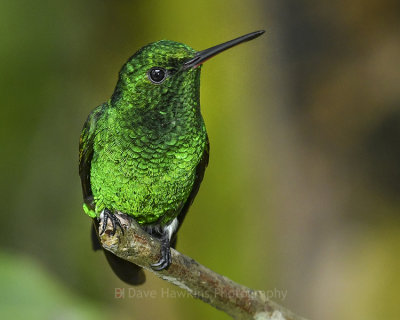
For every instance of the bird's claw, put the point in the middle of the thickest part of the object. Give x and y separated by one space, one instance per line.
107 214
165 259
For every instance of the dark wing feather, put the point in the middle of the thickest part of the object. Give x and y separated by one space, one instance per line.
86 152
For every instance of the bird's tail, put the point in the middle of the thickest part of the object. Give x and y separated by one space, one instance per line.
128 272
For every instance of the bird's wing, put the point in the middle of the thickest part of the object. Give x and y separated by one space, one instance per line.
86 152
126 271
200 169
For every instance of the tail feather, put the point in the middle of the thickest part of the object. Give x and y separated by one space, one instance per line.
126 271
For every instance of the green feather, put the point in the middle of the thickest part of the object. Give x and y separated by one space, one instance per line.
140 150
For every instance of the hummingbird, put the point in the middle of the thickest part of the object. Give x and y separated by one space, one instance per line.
144 152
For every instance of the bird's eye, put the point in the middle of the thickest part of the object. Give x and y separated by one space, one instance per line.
157 74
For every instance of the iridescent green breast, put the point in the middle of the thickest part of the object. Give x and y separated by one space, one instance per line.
146 171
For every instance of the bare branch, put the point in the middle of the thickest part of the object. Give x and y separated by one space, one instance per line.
138 247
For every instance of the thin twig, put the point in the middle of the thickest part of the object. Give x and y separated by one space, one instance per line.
238 301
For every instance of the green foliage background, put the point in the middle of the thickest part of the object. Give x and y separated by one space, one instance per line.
302 190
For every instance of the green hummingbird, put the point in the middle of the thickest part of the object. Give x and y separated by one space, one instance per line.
144 151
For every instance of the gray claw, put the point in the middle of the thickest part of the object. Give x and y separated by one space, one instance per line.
107 214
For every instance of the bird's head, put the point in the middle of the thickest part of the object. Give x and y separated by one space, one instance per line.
166 73
154 76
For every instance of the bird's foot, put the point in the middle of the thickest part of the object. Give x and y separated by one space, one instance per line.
107 214
165 259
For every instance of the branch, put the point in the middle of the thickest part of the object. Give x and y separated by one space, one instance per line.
138 247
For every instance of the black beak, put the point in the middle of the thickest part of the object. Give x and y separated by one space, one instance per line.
204 55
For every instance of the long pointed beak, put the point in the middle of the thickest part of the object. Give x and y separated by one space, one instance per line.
204 55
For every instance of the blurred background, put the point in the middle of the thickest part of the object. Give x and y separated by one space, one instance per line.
302 191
